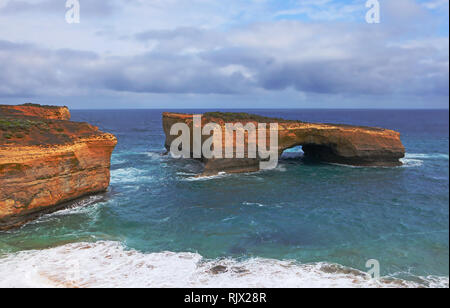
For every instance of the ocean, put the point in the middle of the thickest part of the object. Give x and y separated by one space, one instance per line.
302 224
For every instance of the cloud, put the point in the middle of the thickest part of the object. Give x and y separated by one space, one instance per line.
28 70
310 58
436 4
331 59
326 10
90 8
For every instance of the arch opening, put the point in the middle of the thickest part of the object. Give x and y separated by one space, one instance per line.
318 152
310 152
295 152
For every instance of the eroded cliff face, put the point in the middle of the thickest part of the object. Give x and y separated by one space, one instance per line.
46 161
33 110
333 143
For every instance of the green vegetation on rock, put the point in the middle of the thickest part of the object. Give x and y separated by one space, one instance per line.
16 125
17 128
240 116
44 106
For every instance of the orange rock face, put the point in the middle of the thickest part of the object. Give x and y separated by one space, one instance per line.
46 161
333 143
32 110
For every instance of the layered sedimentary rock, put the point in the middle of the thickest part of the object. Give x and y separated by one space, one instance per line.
46 161
332 143
33 110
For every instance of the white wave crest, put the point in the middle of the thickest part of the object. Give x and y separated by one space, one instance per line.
207 177
129 175
417 159
156 155
426 156
409 162
253 204
109 264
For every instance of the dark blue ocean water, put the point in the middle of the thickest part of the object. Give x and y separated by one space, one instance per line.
301 211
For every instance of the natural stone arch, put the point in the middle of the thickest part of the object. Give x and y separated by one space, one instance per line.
334 143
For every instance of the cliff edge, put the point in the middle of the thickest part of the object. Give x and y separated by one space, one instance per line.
332 143
34 110
47 160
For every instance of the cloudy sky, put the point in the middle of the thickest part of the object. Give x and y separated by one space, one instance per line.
225 54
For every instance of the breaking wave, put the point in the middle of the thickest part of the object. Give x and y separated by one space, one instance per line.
207 177
129 175
417 159
426 156
109 264
409 162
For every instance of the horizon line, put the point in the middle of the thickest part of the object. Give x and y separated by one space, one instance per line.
243 108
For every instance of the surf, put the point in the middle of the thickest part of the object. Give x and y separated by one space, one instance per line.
111 264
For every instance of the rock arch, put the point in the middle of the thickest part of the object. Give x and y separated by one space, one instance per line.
333 143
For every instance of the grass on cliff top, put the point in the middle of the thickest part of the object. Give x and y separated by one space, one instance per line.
9 126
43 106
236 116
31 132
242 116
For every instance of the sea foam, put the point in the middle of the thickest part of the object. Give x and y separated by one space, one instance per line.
129 175
417 159
110 264
427 156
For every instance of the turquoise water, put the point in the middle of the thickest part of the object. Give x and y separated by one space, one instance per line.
302 211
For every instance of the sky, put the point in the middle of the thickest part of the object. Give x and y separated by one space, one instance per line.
225 54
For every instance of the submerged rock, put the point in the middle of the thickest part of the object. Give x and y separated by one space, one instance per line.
218 269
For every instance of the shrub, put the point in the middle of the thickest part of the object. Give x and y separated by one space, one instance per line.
236 116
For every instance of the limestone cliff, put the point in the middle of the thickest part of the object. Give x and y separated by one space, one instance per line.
33 110
46 160
333 143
